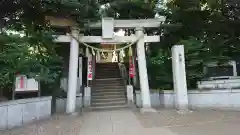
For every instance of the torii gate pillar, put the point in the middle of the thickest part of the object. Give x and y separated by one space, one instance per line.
72 73
143 76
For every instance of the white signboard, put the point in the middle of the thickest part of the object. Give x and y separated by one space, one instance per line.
22 83
107 28
32 85
90 68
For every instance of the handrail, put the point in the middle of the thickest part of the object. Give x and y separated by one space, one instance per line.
123 72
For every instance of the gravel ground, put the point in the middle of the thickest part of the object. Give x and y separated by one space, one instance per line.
171 118
56 125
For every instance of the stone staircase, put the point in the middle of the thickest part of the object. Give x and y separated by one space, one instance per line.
108 90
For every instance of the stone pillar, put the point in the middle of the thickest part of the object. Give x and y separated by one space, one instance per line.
130 95
72 73
142 67
135 78
87 90
234 64
87 54
87 97
79 86
179 78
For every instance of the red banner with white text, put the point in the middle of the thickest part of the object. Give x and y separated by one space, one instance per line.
90 68
131 67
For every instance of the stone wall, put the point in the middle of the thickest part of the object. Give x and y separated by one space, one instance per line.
18 112
227 98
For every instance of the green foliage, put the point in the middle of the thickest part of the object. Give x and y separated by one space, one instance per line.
28 55
126 9
196 55
35 53
29 15
160 70
208 32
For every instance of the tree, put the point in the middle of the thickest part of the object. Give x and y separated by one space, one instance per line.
34 54
208 28
23 55
134 9
208 31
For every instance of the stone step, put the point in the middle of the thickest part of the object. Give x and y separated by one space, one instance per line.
107 76
107 86
107 80
104 77
106 93
99 90
114 107
111 84
112 103
107 68
115 71
107 89
108 96
104 102
105 72
107 65
103 82
96 100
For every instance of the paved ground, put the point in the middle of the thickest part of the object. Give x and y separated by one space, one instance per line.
128 122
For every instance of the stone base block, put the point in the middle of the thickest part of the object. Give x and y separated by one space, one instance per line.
130 94
87 97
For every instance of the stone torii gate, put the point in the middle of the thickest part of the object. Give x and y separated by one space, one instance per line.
108 25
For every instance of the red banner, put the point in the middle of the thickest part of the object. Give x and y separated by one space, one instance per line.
90 68
21 82
131 67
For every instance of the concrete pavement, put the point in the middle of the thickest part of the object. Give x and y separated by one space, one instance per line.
131 122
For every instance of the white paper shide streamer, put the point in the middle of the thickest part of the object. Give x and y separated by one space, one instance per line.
98 56
93 52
